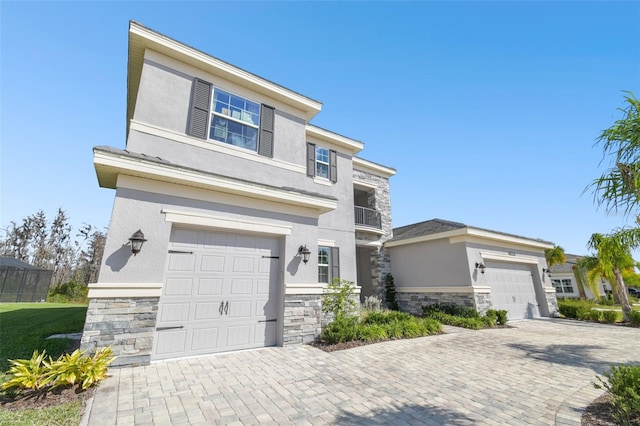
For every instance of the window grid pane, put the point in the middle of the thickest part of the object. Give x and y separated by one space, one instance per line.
234 120
323 265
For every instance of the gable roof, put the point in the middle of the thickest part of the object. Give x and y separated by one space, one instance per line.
439 228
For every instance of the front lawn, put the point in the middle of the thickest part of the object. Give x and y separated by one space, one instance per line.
24 328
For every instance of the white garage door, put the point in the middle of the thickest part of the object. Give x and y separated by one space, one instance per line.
220 294
512 289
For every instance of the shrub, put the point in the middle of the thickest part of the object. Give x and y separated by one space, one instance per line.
575 308
342 329
372 304
611 316
68 369
386 317
634 317
459 311
338 299
592 315
28 373
432 326
371 332
390 292
73 291
623 383
606 301
466 318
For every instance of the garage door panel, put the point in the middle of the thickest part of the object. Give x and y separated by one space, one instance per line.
209 287
211 263
240 309
266 308
171 312
179 287
170 342
214 241
207 311
266 332
245 243
205 339
238 335
243 264
241 286
182 262
184 238
262 287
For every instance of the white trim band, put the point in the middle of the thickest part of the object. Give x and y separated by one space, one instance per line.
201 219
450 289
108 290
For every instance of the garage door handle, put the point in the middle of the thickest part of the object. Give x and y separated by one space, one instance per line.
169 328
226 308
269 320
221 308
180 252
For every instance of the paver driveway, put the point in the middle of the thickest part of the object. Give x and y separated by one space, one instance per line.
539 372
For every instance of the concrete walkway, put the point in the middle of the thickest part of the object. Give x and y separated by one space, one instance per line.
538 373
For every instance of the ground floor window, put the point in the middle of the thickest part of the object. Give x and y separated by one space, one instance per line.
323 264
563 286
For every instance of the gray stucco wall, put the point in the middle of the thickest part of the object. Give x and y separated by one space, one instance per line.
433 264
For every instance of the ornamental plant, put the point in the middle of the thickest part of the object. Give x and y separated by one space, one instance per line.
623 383
338 300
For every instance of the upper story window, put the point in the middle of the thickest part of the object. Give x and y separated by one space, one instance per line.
322 162
222 116
234 120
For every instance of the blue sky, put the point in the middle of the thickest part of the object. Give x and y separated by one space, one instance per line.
488 110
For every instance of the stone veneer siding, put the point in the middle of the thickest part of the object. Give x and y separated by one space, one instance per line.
412 303
302 318
125 324
379 200
552 303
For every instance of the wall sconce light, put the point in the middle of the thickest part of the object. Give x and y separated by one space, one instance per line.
547 271
137 240
481 267
305 253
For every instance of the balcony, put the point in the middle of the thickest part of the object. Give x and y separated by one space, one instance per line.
367 217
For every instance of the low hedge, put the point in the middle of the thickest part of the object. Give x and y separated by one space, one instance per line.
379 326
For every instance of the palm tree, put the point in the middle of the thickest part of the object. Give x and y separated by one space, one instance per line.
555 256
611 259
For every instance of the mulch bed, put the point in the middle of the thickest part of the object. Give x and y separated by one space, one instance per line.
45 398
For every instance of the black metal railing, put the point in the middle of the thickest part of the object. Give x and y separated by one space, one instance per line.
368 217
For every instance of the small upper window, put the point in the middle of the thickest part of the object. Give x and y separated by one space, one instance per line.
322 162
234 120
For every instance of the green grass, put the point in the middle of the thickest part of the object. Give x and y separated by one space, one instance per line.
59 415
25 326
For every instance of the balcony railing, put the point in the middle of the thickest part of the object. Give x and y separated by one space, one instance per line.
368 217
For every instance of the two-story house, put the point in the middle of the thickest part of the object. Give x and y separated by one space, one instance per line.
246 210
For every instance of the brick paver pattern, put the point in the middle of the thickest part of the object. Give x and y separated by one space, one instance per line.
540 372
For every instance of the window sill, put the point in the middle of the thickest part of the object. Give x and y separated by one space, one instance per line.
322 181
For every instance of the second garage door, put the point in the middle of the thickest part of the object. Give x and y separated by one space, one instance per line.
512 289
220 294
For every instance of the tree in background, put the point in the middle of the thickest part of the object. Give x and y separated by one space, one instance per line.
51 246
555 256
618 190
611 259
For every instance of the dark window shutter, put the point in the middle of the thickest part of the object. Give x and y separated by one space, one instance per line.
267 115
199 109
333 166
335 263
311 159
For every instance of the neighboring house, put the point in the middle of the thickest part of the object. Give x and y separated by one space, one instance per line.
232 187
443 262
22 282
564 280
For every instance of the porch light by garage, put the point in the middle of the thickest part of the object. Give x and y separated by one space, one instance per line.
305 253
137 240
480 266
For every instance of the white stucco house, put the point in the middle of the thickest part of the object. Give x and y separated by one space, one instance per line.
444 262
564 280
248 211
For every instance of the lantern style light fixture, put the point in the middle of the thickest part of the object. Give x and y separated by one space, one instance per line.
481 267
547 271
137 240
305 253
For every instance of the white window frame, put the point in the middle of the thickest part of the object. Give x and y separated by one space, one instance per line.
324 163
325 265
562 284
237 120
